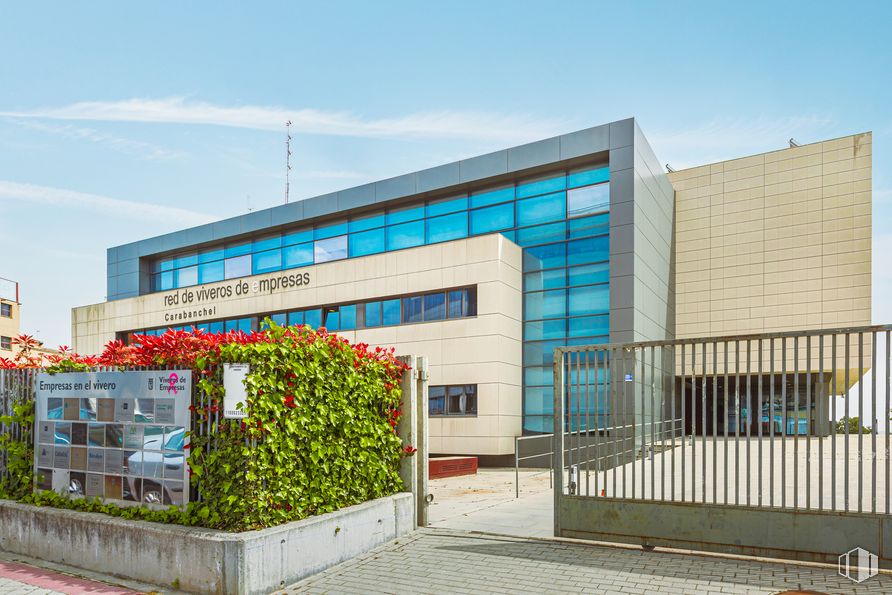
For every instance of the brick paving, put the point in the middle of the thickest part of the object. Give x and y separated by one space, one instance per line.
449 561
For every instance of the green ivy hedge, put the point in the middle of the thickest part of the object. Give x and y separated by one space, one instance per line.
320 432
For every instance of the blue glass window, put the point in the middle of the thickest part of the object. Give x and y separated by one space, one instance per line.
541 209
186 277
412 309
313 317
280 319
210 255
588 200
164 281
589 274
545 257
390 312
545 329
447 227
509 234
244 324
264 262
588 250
210 272
366 242
364 223
403 215
405 235
332 319
448 205
542 234
240 266
539 353
545 304
348 317
267 243
492 197
298 237
185 260
589 226
592 299
589 176
543 186
492 219
553 279
164 265
539 376
373 314
330 249
237 250
231 325
589 326
435 306
298 255
436 400
330 231
216 327
296 318
457 303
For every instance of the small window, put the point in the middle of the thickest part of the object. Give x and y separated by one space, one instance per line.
210 272
412 309
6 310
390 312
348 317
332 319
215 327
6 343
588 200
313 317
366 242
373 314
405 235
460 400
296 318
239 266
492 219
434 306
331 249
297 255
187 276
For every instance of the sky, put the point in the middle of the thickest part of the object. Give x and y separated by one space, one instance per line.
121 121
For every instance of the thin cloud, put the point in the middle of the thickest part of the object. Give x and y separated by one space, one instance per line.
723 138
434 124
115 207
116 143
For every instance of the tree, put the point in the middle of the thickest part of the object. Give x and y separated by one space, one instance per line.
854 426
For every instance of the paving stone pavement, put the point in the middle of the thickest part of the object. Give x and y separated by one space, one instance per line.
17 578
448 561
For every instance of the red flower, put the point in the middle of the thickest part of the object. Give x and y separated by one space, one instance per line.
410 450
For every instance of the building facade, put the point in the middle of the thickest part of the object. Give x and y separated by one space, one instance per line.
487 264
10 316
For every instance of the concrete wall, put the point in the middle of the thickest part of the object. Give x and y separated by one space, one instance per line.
774 242
483 350
203 560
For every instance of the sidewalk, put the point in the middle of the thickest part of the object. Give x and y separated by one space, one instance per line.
447 561
18 578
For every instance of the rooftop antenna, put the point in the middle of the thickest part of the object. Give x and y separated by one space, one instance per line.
669 168
793 143
287 159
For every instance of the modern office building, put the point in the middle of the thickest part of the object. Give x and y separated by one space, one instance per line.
9 316
486 264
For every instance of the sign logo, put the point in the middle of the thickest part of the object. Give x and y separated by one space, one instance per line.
172 383
628 378
151 383
858 565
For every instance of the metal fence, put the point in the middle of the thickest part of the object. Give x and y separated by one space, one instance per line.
749 422
16 388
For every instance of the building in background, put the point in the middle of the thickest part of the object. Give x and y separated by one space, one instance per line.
487 264
9 316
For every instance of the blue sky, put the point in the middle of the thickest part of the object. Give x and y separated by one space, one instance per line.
124 121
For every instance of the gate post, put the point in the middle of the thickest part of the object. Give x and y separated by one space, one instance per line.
558 433
421 441
407 427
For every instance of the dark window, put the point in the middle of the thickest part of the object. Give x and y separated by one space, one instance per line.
6 310
6 343
412 309
459 399
434 306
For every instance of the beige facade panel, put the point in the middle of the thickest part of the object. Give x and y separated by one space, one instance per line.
775 242
484 350
9 327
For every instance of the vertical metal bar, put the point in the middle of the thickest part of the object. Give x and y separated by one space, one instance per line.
725 443
703 432
516 468
598 455
819 394
846 445
795 422
683 393
693 422
831 394
625 417
715 420
588 432
860 421
643 432
672 417
749 418
759 420
783 436
771 425
653 458
578 425
887 409
614 416
558 436
808 422
873 421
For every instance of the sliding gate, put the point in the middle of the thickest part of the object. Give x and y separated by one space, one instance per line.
771 445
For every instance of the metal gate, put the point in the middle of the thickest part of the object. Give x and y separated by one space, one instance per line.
744 444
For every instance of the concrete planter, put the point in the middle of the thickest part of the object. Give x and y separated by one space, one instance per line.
203 560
